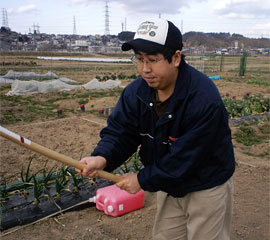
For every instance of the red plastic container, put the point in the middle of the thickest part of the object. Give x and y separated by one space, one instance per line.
116 202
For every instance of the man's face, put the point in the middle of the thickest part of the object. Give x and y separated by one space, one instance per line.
157 71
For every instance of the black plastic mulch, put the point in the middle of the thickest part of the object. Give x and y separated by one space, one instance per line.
252 118
20 210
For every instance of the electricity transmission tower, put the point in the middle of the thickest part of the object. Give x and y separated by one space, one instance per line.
124 25
5 18
107 25
36 28
74 26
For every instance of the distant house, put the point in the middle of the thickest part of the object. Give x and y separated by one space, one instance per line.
266 51
222 50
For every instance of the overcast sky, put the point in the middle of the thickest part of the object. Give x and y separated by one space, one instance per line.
248 17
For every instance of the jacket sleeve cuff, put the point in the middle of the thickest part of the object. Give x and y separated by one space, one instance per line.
144 183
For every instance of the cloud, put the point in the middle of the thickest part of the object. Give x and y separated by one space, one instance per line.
78 2
10 10
257 30
263 28
244 9
142 6
27 8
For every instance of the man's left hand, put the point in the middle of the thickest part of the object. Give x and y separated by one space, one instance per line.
129 183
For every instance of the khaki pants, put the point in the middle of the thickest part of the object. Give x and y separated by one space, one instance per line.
202 215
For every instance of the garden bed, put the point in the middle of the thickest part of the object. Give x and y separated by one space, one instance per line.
20 209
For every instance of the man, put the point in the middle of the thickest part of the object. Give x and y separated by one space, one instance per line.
177 117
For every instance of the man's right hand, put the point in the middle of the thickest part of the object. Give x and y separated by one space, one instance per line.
91 165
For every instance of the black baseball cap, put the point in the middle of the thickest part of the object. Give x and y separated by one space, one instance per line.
155 35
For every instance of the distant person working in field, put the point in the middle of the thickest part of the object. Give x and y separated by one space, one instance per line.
177 117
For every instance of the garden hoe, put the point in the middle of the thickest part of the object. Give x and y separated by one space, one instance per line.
52 154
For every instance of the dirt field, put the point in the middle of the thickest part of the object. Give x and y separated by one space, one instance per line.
76 136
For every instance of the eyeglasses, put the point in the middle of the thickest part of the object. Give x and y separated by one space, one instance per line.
140 60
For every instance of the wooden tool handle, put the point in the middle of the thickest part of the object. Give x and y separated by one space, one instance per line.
52 154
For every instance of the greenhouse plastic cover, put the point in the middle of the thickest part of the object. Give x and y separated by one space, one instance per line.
6 80
29 75
11 76
31 87
53 84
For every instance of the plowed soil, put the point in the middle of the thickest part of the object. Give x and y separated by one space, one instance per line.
77 135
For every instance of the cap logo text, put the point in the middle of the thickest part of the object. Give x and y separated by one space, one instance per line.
147 28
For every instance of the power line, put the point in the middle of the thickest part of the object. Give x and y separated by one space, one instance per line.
182 26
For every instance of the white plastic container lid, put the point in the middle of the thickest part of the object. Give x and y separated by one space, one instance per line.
110 208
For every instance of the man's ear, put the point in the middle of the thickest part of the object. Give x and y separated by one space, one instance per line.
177 58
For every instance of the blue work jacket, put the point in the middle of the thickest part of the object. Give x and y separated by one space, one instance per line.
188 148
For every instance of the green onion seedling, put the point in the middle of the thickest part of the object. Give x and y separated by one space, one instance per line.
61 181
4 192
38 190
26 178
78 180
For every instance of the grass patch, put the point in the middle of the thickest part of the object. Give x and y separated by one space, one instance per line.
247 136
254 133
101 94
9 118
5 87
265 129
261 155
34 107
258 82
